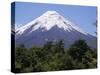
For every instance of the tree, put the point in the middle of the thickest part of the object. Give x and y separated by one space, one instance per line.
78 49
95 24
21 61
83 56
52 57
59 46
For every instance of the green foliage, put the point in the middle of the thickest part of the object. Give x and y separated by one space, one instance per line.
82 54
53 56
78 49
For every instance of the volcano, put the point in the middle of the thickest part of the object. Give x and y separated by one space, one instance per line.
51 26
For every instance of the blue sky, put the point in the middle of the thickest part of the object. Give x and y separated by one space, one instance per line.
82 16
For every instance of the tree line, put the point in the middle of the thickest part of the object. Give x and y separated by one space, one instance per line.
53 57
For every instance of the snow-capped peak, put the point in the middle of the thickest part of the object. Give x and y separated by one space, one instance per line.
51 13
48 20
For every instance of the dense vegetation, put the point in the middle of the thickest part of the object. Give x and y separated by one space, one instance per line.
53 56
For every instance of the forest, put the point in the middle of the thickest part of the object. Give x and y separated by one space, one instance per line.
53 56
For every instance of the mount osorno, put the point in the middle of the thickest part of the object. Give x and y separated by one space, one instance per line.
51 26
